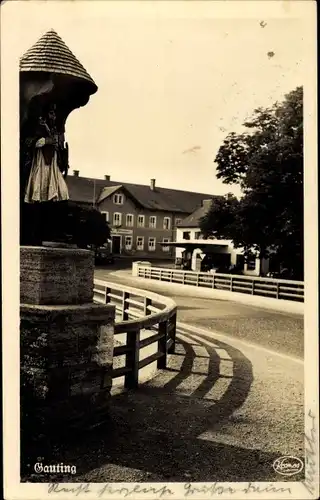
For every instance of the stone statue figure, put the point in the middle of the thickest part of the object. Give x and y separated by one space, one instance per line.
53 83
44 166
49 161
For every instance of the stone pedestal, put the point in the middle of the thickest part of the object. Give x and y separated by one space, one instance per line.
56 275
66 363
66 343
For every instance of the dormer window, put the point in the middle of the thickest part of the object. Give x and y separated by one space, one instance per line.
118 199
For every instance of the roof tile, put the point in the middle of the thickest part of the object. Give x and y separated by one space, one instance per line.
51 54
89 190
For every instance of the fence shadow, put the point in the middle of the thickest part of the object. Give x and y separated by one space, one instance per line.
154 433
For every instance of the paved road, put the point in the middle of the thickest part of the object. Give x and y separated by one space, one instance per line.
279 332
229 404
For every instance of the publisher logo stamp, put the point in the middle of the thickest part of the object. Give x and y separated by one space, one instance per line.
288 466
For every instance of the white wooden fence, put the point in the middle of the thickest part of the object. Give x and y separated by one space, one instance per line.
254 285
137 311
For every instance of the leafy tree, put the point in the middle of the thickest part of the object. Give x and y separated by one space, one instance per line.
266 161
86 226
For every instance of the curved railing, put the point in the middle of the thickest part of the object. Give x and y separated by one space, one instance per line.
145 318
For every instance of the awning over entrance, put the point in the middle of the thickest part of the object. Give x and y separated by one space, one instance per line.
189 247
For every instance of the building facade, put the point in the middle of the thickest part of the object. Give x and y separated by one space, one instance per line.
142 218
191 246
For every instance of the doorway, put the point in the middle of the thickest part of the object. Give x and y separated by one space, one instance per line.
116 245
240 262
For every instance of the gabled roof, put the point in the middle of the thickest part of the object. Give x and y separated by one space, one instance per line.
51 54
193 219
107 191
89 190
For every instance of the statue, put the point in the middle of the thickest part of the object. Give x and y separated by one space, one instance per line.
49 161
52 84
44 167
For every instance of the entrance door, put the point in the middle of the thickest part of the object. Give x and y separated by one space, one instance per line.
240 262
116 245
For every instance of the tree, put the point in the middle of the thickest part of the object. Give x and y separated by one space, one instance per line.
266 161
86 226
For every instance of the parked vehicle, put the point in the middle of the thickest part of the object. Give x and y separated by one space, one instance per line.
103 255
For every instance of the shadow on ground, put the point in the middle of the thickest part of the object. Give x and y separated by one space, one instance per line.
153 433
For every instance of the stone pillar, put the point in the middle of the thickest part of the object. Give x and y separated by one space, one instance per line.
66 343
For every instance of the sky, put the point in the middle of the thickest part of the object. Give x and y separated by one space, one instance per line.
172 81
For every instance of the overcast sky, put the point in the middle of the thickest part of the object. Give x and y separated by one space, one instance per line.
172 82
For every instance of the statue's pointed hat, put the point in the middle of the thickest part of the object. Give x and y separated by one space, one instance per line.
50 54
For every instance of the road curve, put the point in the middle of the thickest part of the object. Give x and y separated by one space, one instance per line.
265 350
276 331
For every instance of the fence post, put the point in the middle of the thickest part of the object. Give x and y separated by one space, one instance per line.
125 296
231 284
173 331
131 379
278 290
147 303
197 279
183 277
162 345
108 290
213 282
252 291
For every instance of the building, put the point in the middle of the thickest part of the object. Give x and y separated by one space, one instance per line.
198 253
142 218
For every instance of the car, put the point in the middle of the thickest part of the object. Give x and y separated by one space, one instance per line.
103 255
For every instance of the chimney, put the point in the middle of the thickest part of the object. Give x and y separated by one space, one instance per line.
207 204
152 184
107 177
76 173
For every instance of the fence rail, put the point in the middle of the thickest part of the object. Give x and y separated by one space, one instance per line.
139 311
253 285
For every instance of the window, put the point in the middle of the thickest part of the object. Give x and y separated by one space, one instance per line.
152 221
129 220
140 243
118 199
178 221
186 235
128 243
106 215
164 248
251 263
197 235
117 217
152 244
166 223
140 220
